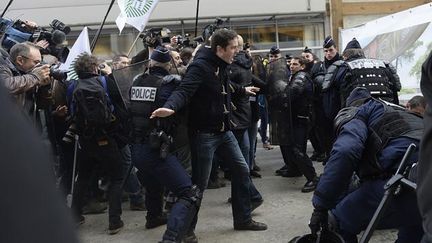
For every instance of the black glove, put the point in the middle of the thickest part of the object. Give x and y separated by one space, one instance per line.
319 219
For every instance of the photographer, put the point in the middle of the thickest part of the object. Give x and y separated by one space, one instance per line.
94 122
152 151
22 73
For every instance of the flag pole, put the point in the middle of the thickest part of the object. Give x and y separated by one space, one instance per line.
95 39
7 7
196 19
133 44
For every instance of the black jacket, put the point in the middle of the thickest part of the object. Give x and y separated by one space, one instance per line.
206 88
241 74
300 94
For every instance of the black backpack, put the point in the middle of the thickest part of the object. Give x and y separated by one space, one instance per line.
91 106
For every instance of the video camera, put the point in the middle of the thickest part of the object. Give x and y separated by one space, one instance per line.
211 28
155 36
185 41
20 31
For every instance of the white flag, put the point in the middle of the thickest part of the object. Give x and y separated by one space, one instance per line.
81 46
135 13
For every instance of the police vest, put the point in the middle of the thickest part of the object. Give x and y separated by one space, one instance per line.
395 122
149 92
371 74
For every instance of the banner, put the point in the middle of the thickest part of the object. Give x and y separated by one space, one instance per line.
81 46
135 13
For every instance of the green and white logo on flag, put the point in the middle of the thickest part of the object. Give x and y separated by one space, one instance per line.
135 13
137 8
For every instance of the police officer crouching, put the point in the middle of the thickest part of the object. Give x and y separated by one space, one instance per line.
151 151
373 136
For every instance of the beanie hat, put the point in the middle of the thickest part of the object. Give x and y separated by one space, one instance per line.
353 44
328 42
160 54
274 50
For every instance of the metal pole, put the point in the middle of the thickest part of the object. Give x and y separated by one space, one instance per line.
95 39
69 198
7 6
390 189
196 19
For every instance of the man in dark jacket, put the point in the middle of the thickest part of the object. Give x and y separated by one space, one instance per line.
296 114
207 90
241 74
374 159
325 124
315 68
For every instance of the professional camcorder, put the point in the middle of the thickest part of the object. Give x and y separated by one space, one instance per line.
155 36
20 31
58 74
211 28
186 41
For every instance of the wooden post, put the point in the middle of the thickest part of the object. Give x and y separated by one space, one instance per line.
336 18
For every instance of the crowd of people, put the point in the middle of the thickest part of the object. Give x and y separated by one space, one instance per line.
191 112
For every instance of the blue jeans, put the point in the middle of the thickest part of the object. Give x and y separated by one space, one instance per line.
252 132
132 184
203 147
157 174
242 137
263 113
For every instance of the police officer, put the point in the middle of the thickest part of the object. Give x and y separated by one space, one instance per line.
325 123
151 150
316 70
378 76
298 104
373 136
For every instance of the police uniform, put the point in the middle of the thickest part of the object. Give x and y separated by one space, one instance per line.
152 155
291 104
378 76
372 141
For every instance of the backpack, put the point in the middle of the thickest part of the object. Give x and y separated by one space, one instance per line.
91 105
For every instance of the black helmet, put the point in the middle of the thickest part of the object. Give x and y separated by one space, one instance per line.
327 236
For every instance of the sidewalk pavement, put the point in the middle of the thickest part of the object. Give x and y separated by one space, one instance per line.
285 210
